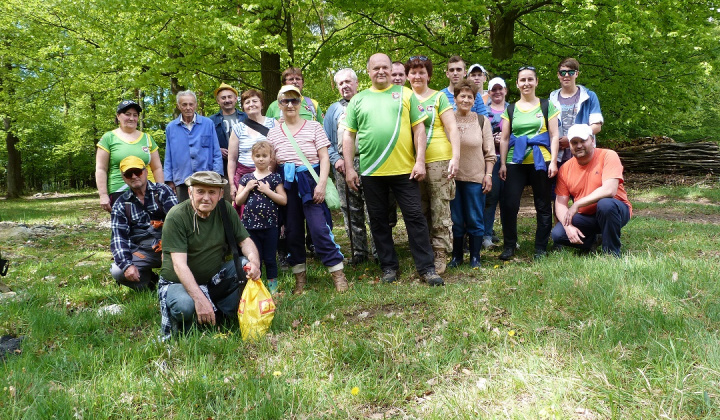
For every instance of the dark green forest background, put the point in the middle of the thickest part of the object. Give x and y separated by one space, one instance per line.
64 65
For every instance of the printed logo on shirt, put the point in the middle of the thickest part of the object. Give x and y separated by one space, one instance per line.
539 115
145 149
396 95
420 107
430 108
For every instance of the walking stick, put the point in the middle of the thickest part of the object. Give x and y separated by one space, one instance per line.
349 216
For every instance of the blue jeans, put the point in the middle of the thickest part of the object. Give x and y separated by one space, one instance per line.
492 199
182 307
266 241
467 209
610 217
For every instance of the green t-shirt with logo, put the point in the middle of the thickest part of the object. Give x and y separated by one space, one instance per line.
203 240
119 149
383 121
438 145
530 122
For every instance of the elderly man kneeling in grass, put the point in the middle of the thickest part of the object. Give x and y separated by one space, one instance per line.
594 179
196 284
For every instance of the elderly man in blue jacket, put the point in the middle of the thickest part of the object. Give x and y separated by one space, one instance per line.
191 145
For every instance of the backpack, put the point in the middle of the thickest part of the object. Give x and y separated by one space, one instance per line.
543 106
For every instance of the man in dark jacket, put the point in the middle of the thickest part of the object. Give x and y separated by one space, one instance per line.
227 118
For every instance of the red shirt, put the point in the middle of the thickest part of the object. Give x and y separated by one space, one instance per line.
577 181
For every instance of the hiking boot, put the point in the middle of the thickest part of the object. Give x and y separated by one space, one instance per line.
440 261
389 275
540 253
272 286
432 279
341 284
475 245
507 254
487 242
300 280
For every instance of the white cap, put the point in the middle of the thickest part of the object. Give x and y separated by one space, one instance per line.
289 88
581 131
496 81
476 67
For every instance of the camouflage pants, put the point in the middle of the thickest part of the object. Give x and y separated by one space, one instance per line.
355 213
436 192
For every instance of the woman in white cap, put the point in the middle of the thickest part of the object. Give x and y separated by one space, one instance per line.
116 145
296 142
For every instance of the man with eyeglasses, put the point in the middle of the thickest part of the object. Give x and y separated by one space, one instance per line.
456 72
136 221
577 104
600 208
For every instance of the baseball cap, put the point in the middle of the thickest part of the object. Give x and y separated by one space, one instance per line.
496 81
476 67
224 86
289 88
128 103
582 131
131 162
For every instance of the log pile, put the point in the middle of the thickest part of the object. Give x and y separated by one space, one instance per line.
681 158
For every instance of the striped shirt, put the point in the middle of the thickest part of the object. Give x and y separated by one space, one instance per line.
310 138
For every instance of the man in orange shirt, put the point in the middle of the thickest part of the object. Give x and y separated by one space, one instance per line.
594 180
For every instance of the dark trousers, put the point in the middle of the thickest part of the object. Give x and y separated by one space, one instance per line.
182 192
517 177
492 199
319 225
266 242
610 217
407 195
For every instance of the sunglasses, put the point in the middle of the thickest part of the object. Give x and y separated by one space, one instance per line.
419 58
133 172
566 73
288 101
531 68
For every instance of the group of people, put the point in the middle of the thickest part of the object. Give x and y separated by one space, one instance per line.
445 158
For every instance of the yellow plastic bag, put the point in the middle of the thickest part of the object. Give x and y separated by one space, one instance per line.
256 310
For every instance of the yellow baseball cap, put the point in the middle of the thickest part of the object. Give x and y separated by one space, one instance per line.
131 162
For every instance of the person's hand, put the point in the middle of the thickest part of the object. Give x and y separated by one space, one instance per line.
487 184
564 142
418 172
204 311
452 168
171 185
502 172
132 274
251 184
574 234
319 194
158 246
340 166
263 186
352 179
224 153
252 271
233 190
552 169
571 212
105 202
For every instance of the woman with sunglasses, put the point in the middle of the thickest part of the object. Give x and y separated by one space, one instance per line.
245 135
305 196
116 145
528 156
441 158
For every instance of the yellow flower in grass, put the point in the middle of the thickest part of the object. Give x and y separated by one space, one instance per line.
511 333
355 391
277 373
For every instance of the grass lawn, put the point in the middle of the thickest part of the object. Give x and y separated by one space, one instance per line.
568 337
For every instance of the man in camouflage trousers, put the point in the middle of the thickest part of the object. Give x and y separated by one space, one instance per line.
352 202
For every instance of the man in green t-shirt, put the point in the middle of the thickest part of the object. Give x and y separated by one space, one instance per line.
196 284
387 122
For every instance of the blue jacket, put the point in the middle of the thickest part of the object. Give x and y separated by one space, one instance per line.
217 119
589 112
521 144
187 152
330 124
478 106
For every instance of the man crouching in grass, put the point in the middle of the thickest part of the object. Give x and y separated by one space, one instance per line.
196 284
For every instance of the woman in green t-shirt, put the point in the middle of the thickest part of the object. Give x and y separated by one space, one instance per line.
116 145
528 156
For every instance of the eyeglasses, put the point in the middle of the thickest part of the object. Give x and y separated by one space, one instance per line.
531 68
288 101
419 58
133 172
566 73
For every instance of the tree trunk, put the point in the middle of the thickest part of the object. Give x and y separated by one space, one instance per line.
289 38
502 35
270 74
14 169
